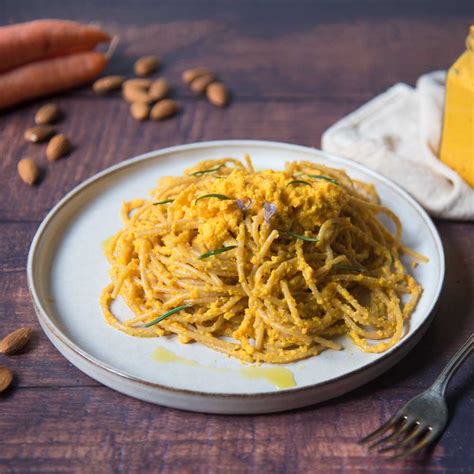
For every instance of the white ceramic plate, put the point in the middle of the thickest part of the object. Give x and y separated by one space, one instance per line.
67 270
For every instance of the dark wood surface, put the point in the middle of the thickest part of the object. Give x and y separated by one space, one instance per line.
294 69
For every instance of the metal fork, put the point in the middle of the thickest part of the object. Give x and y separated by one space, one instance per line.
422 420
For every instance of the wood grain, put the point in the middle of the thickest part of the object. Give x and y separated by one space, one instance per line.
294 68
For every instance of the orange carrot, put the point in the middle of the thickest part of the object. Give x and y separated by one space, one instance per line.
49 76
26 42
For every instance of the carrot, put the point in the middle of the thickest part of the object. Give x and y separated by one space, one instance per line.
49 76
26 42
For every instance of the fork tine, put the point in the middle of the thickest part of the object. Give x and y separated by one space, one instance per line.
406 426
406 441
379 431
429 437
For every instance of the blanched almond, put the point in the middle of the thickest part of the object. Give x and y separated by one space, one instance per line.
15 341
58 147
140 111
39 133
146 65
6 378
159 89
217 94
199 85
190 75
107 84
132 93
163 109
28 171
138 82
47 114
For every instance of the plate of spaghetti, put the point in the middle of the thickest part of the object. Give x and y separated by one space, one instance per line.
235 276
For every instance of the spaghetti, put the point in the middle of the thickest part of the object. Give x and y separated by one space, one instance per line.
265 266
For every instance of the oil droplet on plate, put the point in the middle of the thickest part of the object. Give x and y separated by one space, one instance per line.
161 354
278 376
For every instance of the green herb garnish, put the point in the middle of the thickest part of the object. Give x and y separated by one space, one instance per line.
216 252
210 170
222 197
321 176
302 237
299 181
166 201
350 268
169 313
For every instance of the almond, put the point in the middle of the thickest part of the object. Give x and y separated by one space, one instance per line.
15 341
217 94
190 75
107 84
6 378
199 85
163 109
140 111
47 114
132 93
146 65
159 89
58 147
39 134
28 171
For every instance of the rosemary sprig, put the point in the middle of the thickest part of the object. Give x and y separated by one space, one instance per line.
169 313
299 181
321 176
350 268
301 237
166 201
222 197
209 170
216 252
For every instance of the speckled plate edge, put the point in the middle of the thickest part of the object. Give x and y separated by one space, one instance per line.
221 402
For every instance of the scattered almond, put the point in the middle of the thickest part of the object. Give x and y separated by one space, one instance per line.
138 82
58 147
140 111
146 65
39 133
132 93
28 171
199 85
107 84
191 74
15 341
163 109
6 378
47 114
217 94
159 89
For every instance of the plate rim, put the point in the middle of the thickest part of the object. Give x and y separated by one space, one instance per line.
399 349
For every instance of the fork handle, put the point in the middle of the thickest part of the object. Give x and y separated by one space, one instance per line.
454 363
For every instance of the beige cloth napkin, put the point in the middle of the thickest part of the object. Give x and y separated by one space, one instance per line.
398 134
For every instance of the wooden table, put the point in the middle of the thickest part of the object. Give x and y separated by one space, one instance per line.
294 68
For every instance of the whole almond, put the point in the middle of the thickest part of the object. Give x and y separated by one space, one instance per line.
28 171
217 94
140 111
199 85
163 109
190 75
146 65
6 378
39 133
107 84
15 341
132 93
47 114
159 89
58 147
138 82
